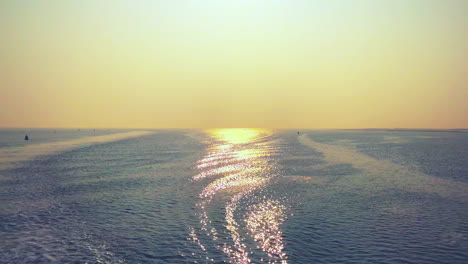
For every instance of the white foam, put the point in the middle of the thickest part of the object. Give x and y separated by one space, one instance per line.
9 158
382 174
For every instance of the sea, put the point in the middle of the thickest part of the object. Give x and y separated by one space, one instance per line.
240 195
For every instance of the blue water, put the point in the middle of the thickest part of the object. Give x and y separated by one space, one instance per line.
237 196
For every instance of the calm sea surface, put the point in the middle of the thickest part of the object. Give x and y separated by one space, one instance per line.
233 196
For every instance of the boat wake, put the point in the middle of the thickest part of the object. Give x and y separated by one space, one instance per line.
11 157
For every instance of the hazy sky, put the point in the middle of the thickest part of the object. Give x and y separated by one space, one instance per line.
234 63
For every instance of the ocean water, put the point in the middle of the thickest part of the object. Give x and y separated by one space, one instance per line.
233 196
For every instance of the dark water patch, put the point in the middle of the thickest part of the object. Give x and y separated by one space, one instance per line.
389 228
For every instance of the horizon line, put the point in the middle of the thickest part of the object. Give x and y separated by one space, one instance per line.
203 128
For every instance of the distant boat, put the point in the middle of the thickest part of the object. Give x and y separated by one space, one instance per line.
298 132
26 137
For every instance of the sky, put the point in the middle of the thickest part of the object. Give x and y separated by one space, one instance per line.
234 63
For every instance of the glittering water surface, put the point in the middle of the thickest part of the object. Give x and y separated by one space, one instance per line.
234 196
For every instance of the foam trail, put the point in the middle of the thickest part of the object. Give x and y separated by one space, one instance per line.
386 173
11 157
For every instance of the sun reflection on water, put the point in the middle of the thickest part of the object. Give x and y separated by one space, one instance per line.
263 221
239 163
238 135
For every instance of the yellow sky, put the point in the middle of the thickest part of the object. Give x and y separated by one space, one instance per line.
239 63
